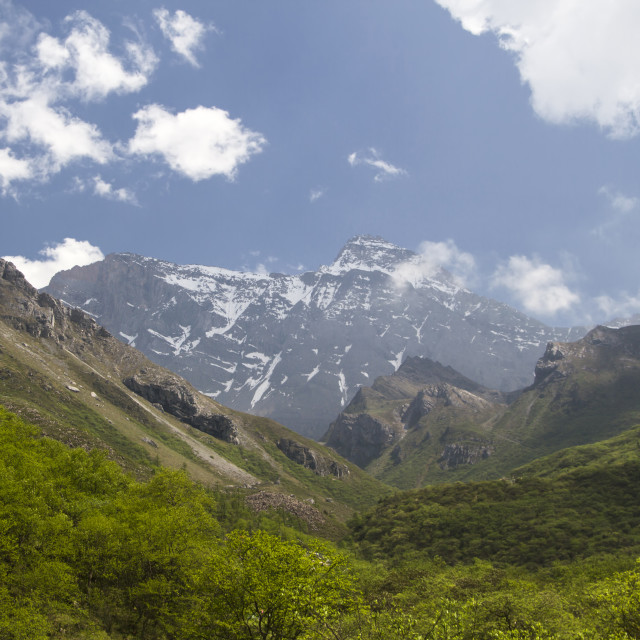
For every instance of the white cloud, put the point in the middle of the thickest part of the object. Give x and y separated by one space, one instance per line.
106 190
183 31
64 255
316 194
539 287
198 143
372 158
579 58
625 305
85 53
38 84
61 136
12 169
431 259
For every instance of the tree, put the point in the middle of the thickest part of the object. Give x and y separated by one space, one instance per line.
257 586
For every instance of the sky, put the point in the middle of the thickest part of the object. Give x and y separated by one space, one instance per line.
499 139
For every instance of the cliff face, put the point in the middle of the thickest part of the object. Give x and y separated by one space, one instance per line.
175 397
425 411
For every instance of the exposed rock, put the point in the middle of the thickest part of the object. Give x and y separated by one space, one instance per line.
360 438
265 500
441 394
72 388
456 454
150 442
311 459
180 400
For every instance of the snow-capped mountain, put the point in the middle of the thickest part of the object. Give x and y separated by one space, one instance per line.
296 348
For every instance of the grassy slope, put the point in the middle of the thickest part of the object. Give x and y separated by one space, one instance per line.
35 374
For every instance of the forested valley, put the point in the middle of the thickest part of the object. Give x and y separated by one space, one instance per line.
89 552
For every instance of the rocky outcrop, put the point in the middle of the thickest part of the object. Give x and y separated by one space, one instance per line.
441 394
602 348
178 399
40 314
456 454
265 500
310 459
360 438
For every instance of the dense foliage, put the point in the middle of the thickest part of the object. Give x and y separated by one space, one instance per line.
86 552
526 521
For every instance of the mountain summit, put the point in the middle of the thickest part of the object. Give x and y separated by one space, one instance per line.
297 348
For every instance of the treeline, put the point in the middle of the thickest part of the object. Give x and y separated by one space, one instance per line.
88 553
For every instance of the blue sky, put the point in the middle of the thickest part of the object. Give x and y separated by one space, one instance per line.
499 138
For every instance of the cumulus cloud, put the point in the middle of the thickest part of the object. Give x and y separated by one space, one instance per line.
539 287
316 194
432 258
183 31
580 59
60 137
85 53
12 169
198 143
64 255
372 158
39 83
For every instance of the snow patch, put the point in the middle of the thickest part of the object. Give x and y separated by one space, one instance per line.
397 361
308 376
131 340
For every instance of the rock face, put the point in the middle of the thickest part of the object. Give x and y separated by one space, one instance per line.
172 394
360 437
379 417
40 314
455 455
311 459
296 348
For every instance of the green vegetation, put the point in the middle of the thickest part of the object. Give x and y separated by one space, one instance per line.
87 552
526 522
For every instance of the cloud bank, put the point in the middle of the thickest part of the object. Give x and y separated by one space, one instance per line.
64 255
580 59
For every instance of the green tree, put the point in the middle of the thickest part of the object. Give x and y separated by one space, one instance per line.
257 586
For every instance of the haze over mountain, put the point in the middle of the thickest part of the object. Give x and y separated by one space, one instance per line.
297 348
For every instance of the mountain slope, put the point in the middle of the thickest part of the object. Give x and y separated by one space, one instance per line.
433 425
297 348
60 370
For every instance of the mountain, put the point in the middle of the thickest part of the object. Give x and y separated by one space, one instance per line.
296 348
427 423
66 374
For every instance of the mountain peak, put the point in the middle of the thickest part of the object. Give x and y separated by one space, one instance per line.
368 253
